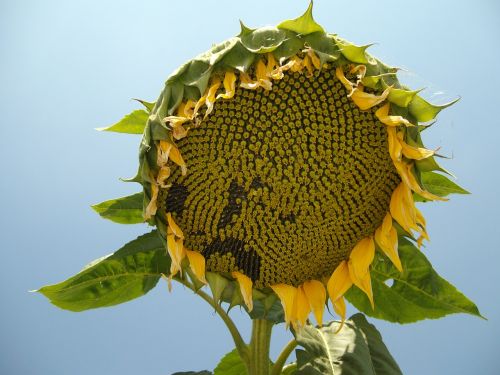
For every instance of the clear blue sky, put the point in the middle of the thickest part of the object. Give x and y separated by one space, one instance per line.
67 67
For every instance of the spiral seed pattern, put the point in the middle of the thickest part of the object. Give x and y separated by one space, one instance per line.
282 184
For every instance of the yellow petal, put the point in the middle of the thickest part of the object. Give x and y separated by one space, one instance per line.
197 264
151 207
339 307
271 64
308 65
173 226
395 149
402 207
360 259
176 157
316 295
163 174
210 97
405 172
179 132
247 82
163 153
229 86
176 251
245 287
189 109
297 65
316 62
387 238
339 282
365 100
301 308
383 115
366 286
416 153
421 223
198 105
339 72
360 70
175 121
286 294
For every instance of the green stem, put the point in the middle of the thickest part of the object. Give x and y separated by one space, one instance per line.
259 347
285 353
240 344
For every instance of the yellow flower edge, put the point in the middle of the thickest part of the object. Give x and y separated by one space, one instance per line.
366 93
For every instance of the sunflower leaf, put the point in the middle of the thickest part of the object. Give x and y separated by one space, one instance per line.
125 210
122 276
417 293
440 185
148 105
231 364
133 123
425 111
356 349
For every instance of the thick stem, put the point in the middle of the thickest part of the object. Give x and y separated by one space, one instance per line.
259 347
285 353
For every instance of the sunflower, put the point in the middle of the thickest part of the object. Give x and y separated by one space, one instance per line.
282 160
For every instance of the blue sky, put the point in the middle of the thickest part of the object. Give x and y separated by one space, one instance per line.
68 67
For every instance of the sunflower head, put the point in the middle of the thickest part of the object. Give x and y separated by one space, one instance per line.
278 162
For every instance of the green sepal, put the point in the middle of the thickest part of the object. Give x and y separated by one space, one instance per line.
303 25
217 284
324 46
244 30
122 276
263 40
124 210
290 46
439 185
356 348
417 293
400 97
231 364
353 53
238 58
148 105
425 111
133 123
269 309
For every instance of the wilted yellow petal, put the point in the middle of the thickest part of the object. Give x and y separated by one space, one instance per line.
416 153
316 295
189 109
360 259
422 230
198 105
176 157
395 149
173 226
229 85
297 64
339 282
383 115
339 72
360 70
271 64
176 251
316 62
286 294
176 121
210 97
405 172
402 207
247 82
386 237
366 286
365 100
308 65
151 207
179 132
197 264
245 287
163 153
301 308
163 174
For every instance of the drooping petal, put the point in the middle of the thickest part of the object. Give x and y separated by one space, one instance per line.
339 282
189 109
383 115
271 64
405 172
179 132
422 228
308 65
199 104
416 153
316 295
395 149
286 294
197 264
210 99
176 121
229 85
173 226
151 207
402 208
297 65
360 259
247 82
366 100
301 308
176 157
245 287
316 62
386 237
340 309
163 153
262 78
339 73
163 174
366 286
176 251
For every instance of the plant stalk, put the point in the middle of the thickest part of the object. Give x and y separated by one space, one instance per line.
280 361
260 343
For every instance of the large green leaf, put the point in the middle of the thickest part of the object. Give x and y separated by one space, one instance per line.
129 273
356 349
125 210
417 293
231 364
133 123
